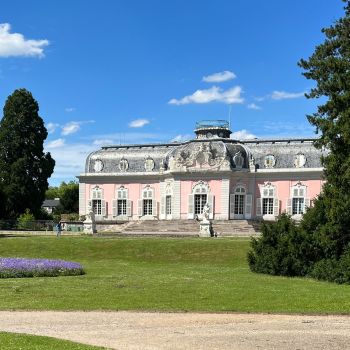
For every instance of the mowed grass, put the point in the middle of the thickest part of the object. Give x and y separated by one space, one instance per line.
166 274
14 341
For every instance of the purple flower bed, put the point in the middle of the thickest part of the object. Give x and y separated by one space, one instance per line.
20 267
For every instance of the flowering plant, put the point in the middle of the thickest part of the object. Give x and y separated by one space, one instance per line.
21 267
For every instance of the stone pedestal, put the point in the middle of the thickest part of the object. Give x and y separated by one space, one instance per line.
205 229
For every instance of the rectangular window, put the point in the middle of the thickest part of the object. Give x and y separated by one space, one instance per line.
199 202
147 207
267 206
97 206
298 206
168 205
239 204
121 209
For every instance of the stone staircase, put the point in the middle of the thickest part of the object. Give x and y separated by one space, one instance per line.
163 227
226 228
223 228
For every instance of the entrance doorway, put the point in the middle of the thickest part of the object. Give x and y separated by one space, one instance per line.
238 203
199 202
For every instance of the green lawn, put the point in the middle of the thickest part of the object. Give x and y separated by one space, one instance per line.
14 341
160 274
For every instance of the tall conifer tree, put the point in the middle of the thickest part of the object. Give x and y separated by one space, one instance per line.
24 166
329 67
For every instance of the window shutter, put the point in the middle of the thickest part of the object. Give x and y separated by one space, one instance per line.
307 204
210 200
115 206
128 207
190 214
276 207
248 206
103 208
89 206
154 207
232 206
258 207
289 206
162 207
140 207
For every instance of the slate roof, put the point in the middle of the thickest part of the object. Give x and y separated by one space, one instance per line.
52 203
284 151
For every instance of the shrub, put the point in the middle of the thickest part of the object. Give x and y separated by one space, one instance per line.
283 249
333 270
20 267
25 220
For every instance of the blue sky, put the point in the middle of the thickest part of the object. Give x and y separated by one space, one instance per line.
111 72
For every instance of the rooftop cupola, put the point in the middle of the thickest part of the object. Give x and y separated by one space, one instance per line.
210 129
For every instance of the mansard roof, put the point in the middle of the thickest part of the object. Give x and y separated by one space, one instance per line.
216 154
284 152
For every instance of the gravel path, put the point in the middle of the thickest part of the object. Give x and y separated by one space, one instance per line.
146 331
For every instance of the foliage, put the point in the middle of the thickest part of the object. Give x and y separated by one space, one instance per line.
25 220
281 250
16 341
68 193
24 167
154 273
20 267
320 245
329 67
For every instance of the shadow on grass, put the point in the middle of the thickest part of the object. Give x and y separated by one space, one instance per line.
6 235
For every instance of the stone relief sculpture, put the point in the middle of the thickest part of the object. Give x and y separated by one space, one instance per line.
211 155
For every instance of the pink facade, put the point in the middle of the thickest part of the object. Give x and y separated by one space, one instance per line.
249 179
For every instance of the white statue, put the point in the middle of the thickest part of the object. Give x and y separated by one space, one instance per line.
206 212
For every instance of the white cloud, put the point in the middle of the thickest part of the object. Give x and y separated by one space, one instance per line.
242 135
214 94
282 95
253 106
55 143
219 77
138 123
70 128
73 127
70 109
51 127
14 44
181 138
70 160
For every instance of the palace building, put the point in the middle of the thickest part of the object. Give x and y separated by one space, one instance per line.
239 179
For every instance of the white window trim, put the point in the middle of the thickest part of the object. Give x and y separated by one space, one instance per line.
298 186
268 186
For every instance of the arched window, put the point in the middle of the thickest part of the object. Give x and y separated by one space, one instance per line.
122 204
298 202
147 205
97 204
198 198
268 204
166 201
